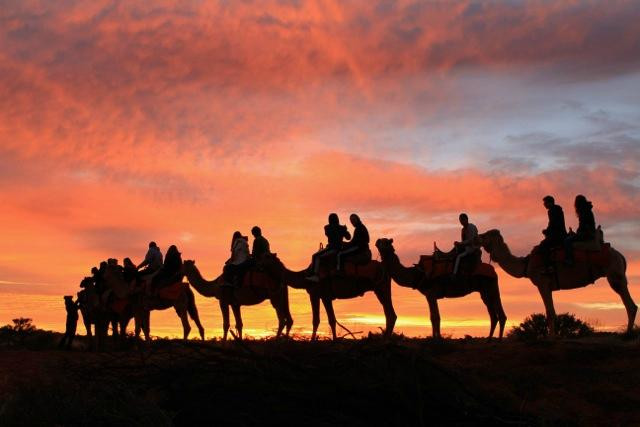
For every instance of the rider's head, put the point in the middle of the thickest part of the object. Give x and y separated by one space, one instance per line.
256 231
548 201
333 219
355 219
236 235
464 219
153 245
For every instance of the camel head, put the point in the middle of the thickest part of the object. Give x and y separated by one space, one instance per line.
490 239
188 266
385 247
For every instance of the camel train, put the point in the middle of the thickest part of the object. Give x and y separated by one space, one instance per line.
343 270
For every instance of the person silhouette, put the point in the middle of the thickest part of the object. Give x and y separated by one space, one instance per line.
152 260
260 246
239 260
72 322
554 234
466 246
171 271
335 233
586 226
359 244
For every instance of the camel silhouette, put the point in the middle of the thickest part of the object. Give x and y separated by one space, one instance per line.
100 316
437 288
275 292
143 304
343 287
578 276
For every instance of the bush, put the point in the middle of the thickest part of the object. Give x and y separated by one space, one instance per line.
18 333
534 327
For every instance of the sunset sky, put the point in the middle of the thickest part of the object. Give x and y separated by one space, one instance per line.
125 122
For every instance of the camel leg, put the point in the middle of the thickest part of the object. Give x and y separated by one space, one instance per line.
124 322
281 304
389 313
186 327
287 311
492 314
102 334
238 316
224 308
192 309
547 299
331 316
87 325
435 315
618 283
146 325
315 311
502 316
114 330
137 321
276 303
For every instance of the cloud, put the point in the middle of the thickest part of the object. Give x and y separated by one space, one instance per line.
122 122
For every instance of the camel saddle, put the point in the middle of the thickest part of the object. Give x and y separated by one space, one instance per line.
359 265
593 252
256 278
441 264
171 292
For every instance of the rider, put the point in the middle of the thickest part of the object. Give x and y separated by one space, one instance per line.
466 246
586 226
152 261
239 260
335 232
555 233
260 245
359 243
130 270
171 271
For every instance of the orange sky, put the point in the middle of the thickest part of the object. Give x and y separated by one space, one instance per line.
121 123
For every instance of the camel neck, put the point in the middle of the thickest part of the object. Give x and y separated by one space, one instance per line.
403 276
511 264
295 279
204 287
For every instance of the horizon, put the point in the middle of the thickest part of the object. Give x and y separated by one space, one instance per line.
181 123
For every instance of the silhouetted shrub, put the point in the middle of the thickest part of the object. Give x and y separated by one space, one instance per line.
535 327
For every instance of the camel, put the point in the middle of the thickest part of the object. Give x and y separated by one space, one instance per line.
227 296
438 288
578 276
143 304
93 313
343 287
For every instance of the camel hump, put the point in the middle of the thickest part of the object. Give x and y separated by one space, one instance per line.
485 270
173 291
259 279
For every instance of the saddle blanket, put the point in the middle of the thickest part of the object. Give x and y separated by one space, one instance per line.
441 267
351 269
